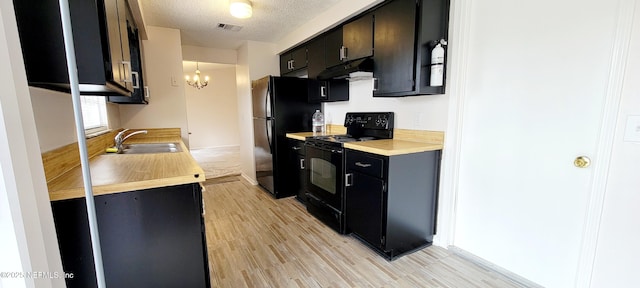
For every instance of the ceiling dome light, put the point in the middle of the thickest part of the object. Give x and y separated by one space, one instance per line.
240 8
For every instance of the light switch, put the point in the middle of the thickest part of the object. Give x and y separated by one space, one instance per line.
174 81
632 131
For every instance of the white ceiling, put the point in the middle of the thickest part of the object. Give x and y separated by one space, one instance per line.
198 19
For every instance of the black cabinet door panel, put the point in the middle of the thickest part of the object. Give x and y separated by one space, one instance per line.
333 43
148 238
364 208
299 57
315 57
394 42
357 37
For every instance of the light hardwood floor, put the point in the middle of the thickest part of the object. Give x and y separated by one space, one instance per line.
257 241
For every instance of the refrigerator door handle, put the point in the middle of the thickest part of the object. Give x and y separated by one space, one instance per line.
268 127
267 102
267 108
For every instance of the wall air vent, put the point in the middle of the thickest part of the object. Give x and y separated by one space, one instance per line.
229 27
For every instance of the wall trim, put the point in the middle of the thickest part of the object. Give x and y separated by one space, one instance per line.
613 98
493 267
251 181
457 83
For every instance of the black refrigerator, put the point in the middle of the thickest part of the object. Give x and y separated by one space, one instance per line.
280 106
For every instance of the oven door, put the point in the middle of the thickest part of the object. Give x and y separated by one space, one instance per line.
325 177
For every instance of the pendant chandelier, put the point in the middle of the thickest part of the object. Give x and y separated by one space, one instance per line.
197 81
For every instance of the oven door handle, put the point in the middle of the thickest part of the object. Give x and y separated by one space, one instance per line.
348 179
335 151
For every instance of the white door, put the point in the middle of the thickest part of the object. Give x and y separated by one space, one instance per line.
537 76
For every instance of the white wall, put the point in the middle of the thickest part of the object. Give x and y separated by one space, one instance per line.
28 239
209 55
53 113
326 20
213 110
618 253
165 78
416 112
255 60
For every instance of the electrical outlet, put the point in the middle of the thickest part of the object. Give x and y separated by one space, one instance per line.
421 119
632 131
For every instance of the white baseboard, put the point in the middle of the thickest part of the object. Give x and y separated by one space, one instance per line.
486 264
249 179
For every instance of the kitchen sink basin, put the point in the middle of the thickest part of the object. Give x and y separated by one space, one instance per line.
148 148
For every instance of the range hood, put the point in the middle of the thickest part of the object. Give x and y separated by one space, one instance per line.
342 71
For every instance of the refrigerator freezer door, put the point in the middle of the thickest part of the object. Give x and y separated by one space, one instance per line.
261 101
262 151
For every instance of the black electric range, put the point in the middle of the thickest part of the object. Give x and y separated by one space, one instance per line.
326 164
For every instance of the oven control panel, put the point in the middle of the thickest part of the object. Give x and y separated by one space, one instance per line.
369 120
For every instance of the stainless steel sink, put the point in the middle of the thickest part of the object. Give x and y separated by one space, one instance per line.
148 148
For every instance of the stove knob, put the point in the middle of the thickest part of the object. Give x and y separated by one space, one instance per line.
349 120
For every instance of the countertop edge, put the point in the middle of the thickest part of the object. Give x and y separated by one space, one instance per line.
78 192
297 136
75 193
414 147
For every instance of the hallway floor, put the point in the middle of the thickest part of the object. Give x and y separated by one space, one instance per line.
218 162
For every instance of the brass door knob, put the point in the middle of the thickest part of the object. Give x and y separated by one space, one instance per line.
582 162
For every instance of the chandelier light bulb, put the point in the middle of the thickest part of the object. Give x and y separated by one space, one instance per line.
240 9
197 83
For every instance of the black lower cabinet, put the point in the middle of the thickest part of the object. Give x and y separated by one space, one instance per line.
149 238
391 200
298 170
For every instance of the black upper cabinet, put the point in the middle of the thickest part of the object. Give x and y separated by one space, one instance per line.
292 63
139 95
328 90
357 38
394 39
333 45
316 57
102 67
405 34
116 12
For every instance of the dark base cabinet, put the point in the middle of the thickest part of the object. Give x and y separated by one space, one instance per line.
298 170
391 201
149 238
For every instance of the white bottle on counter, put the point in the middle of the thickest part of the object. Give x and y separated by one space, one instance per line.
317 123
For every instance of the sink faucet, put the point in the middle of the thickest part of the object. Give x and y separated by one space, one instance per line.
119 139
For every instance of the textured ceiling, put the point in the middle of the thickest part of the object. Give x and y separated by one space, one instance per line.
198 19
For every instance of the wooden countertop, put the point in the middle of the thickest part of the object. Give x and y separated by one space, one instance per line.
404 142
113 173
299 136
390 147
